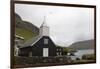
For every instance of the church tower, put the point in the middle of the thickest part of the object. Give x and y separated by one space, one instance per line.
44 29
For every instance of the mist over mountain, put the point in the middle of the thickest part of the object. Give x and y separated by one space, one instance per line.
87 44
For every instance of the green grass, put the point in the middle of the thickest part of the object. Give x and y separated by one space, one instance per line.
27 34
83 61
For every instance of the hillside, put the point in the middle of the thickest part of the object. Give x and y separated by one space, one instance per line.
25 29
88 44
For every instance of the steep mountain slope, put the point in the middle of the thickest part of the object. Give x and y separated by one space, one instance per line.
25 29
88 44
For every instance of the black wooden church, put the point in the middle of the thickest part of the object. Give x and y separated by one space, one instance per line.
41 45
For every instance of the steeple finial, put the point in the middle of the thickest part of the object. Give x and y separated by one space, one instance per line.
44 21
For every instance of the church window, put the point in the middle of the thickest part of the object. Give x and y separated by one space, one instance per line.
45 41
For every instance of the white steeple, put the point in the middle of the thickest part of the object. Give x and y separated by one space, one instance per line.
44 29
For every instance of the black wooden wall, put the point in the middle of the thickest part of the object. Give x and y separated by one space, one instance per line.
37 48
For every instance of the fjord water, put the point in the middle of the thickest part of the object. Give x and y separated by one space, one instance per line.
80 53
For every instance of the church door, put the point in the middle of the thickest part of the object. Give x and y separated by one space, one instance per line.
45 52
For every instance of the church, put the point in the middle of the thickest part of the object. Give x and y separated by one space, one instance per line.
41 45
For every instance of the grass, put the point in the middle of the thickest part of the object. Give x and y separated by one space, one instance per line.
83 61
27 34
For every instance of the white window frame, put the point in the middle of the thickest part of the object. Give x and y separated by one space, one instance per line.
57 53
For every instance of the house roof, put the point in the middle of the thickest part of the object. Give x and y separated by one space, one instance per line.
30 42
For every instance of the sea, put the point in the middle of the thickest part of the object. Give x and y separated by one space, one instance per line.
80 53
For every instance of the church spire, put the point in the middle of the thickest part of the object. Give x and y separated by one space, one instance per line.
44 29
44 22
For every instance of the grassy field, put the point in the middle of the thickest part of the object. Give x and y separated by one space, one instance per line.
27 34
42 61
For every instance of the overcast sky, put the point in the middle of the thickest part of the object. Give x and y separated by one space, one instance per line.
67 24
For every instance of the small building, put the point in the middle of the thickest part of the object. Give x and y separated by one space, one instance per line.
41 45
59 51
18 42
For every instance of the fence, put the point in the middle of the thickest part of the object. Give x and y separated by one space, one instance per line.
36 60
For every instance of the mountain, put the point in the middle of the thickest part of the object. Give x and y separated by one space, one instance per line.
24 28
88 44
